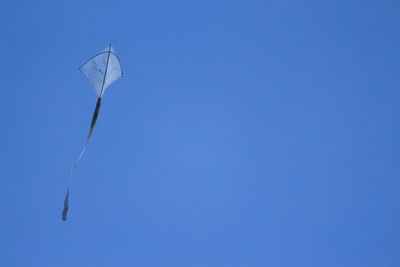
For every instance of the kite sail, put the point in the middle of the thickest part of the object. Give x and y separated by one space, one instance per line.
101 70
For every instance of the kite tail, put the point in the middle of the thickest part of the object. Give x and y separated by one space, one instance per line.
94 119
65 210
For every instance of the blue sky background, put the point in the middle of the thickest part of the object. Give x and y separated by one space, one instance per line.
244 133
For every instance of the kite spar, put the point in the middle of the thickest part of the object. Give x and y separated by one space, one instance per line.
101 70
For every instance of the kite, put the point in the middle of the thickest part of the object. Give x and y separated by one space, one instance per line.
101 70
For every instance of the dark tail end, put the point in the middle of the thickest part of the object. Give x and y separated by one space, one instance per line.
65 210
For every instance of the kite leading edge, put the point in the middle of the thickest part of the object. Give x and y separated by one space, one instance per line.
101 70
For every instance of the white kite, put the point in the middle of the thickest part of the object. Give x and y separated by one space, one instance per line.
101 70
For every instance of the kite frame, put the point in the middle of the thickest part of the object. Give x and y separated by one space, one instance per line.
110 52
105 72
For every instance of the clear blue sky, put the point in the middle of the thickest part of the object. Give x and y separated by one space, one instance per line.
244 133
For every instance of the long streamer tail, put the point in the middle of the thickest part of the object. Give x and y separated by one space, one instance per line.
94 119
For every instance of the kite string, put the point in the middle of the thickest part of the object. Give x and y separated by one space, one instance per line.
76 164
